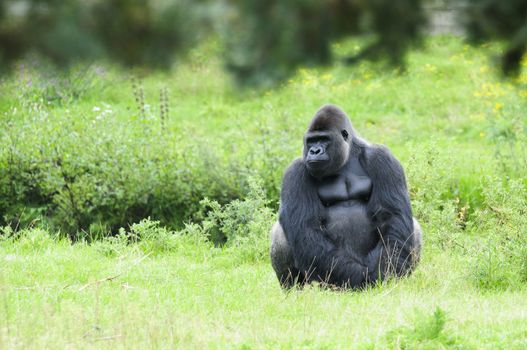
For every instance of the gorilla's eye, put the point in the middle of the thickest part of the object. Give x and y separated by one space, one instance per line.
344 134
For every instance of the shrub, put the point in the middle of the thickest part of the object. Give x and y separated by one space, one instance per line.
89 174
432 186
243 225
34 239
499 253
427 332
151 238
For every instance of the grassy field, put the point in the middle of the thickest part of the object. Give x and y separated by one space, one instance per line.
63 296
86 155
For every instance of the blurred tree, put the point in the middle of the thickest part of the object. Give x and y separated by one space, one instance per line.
264 40
129 31
503 20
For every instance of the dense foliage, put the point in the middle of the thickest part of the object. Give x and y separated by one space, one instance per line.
130 32
95 150
267 41
87 156
503 21
264 41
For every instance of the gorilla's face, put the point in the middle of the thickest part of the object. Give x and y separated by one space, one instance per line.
325 152
327 142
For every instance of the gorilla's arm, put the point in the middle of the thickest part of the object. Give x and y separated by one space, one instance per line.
314 253
389 207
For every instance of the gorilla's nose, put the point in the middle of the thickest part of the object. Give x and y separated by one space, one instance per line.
314 151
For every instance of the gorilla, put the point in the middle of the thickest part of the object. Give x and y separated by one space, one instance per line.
345 218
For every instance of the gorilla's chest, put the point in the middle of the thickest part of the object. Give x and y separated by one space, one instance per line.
349 187
345 218
351 184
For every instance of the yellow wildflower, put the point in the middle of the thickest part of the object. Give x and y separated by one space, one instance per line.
490 90
521 79
327 76
430 68
497 107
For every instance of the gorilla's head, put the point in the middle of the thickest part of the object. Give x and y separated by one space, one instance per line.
327 141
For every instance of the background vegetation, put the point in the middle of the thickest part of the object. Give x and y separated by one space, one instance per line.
265 41
88 155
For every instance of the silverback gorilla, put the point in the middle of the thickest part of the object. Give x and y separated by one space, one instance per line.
345 218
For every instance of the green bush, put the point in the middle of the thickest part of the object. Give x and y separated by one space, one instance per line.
149 237
31 239
91 174
499 250
244 225
93 150
428 332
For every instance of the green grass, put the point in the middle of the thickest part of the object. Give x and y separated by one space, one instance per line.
82 157
58 295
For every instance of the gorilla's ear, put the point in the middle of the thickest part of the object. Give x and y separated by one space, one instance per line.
345 134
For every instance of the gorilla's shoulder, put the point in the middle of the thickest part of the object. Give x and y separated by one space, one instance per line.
379 153
380 162
296 167
295 175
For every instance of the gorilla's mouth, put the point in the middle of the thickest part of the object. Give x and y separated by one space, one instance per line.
317 166
315 163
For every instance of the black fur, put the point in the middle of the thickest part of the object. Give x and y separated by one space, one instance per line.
318 257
